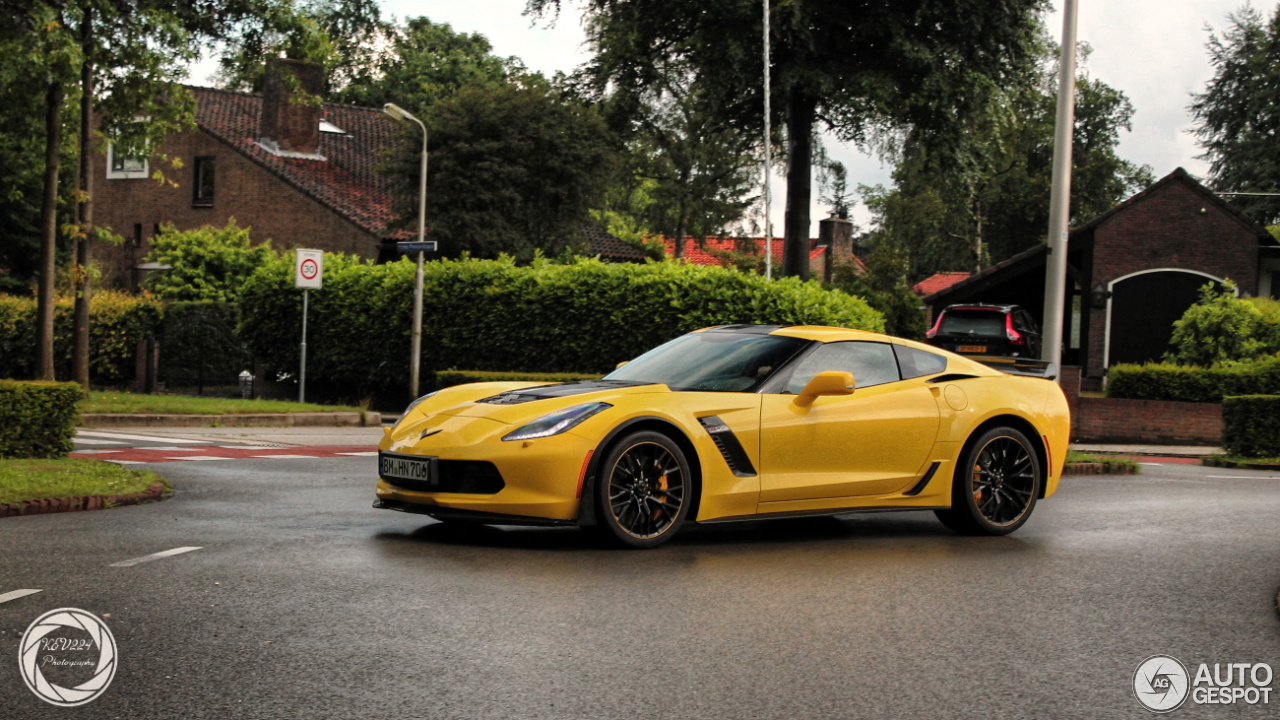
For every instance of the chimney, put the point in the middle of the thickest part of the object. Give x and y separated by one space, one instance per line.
837 234
291 97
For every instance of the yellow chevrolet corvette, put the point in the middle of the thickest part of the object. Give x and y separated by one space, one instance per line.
740 422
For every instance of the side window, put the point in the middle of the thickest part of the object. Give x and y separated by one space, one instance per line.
917 363
871 364
202 194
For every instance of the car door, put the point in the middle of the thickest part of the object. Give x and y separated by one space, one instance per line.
873 441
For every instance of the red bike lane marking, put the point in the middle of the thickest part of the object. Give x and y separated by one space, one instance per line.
226 452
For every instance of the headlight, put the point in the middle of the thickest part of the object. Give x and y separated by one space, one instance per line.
414 404
557 422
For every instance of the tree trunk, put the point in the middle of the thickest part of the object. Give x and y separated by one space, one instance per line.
681 227
48 232
80 342
800 117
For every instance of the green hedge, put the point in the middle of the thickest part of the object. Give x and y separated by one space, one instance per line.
583 317
117 322
1251 426
38 419
449 378
1186 383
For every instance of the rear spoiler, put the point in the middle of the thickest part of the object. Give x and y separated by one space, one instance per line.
1020 366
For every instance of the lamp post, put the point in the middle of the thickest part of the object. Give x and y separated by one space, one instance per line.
1055 285
415 353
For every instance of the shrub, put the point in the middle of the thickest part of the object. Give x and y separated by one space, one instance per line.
1251 426
117 321
1221 327
208 264
38 419
582 317
1165 381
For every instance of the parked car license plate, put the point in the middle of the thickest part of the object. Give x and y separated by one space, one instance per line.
972 348
419 473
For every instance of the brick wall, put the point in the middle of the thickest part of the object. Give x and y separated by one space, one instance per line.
1146 421
244 190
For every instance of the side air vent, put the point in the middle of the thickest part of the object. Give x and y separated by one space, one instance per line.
734 455
508 399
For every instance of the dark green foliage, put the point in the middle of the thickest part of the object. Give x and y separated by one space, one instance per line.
1237 116
1251 426
883 285
38 419
200 347
1222 328
1193 384
117 322
449 378
207 264
583 317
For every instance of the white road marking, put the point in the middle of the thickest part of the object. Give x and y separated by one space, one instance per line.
198 458
88 441
153 556
96 452
249 447
170 448
360 454
1243 477
14 595
142 438
125 462
286 457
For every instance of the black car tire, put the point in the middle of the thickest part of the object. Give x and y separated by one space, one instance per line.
996 485
643 490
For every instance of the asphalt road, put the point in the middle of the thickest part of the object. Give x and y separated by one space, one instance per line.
303 602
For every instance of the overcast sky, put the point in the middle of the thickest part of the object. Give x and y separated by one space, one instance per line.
1152 50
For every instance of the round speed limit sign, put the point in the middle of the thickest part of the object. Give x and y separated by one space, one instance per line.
310 269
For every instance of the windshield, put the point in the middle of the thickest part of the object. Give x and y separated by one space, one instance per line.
712 361
987 323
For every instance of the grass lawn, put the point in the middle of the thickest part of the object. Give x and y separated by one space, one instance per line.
66 477
1110 462
135 404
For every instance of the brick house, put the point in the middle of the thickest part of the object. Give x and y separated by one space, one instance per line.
299 174
833 246
1132 272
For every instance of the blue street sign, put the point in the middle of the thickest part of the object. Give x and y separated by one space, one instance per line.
413 247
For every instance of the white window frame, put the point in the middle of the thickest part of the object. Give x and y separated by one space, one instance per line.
113 174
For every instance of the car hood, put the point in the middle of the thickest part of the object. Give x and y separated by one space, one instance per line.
512 403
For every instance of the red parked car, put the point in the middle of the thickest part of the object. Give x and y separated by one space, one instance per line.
978 329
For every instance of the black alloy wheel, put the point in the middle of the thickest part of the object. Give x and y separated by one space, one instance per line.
996 485
644 490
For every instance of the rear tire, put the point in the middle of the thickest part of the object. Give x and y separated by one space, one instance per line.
996 484
643 490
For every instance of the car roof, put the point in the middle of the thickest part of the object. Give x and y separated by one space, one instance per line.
980 306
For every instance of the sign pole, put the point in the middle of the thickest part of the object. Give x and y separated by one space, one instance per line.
415 356
302 378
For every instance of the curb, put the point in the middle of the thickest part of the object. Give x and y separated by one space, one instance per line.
1212 461
1098 469
154 493
339 419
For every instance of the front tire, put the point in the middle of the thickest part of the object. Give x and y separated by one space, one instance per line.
644 490
996 485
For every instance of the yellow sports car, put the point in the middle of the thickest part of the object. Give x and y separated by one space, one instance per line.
740 422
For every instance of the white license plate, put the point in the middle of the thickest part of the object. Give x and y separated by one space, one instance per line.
416 472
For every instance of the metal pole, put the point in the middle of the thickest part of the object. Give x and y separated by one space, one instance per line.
768 225
1055 281
415 353
302 377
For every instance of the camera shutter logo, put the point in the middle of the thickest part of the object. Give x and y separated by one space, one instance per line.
33 654
1161 683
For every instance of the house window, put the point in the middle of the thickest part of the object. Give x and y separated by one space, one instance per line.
125 167
203 186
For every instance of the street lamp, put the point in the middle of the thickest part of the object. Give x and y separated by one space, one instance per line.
415 353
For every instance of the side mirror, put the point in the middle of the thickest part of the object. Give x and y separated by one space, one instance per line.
824 384
619 365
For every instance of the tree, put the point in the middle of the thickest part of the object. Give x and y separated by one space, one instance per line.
426 63
884 286
1237 118
513 169
997 204
209 264
859 69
